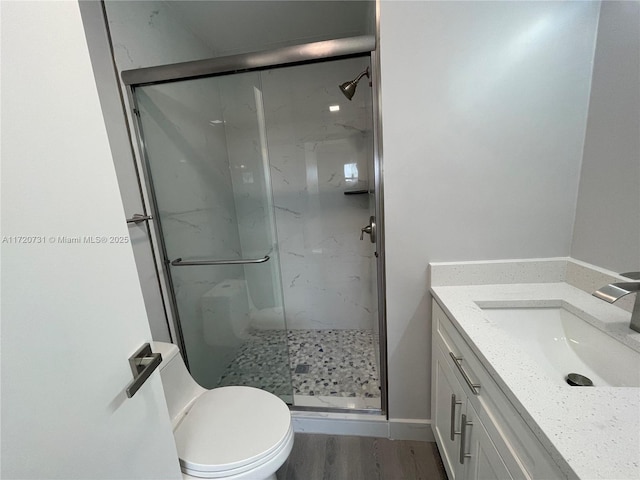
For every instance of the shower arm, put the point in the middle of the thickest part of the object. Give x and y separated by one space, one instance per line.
366 72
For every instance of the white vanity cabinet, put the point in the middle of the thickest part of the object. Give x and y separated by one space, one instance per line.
479 433
465 445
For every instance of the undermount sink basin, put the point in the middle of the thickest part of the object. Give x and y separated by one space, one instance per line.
562 343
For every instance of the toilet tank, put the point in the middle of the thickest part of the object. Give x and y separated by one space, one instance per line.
180 389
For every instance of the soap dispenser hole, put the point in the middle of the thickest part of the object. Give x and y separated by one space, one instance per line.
577 380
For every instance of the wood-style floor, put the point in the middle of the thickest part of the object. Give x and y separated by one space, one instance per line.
334 457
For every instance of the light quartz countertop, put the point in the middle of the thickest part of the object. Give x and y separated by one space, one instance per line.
589 432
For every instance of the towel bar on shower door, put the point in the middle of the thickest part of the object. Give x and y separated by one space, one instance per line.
178 262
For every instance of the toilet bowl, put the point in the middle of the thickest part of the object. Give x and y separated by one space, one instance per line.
237 433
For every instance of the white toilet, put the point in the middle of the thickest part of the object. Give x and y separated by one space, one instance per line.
228 432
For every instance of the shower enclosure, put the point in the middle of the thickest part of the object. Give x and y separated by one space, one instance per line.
263 184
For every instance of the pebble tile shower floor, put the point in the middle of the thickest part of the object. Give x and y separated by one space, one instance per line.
339 363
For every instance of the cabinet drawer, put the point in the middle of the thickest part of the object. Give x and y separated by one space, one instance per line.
463 362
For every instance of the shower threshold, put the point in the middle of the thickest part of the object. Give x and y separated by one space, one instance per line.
340 403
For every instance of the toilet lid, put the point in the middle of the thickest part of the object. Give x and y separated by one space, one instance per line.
230 427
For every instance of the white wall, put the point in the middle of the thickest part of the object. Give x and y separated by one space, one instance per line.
607 227
72 313
484 116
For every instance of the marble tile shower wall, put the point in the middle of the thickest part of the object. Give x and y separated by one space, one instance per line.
315 156
189 165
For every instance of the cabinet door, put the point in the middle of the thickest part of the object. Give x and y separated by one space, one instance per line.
448 405
481 460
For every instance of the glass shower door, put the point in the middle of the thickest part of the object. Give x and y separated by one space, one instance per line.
321 154
205 148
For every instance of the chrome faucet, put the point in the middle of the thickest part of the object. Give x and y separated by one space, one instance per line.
614 291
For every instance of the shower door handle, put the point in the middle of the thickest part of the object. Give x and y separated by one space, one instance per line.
369 229
137 218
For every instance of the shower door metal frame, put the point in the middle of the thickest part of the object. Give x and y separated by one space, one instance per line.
288 56
304 53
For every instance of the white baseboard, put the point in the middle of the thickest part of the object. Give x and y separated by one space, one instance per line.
362 426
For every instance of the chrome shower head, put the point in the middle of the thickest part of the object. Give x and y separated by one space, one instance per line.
349 88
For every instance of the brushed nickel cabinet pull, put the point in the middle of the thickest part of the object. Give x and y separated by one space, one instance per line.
458 361
453 416
463 439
